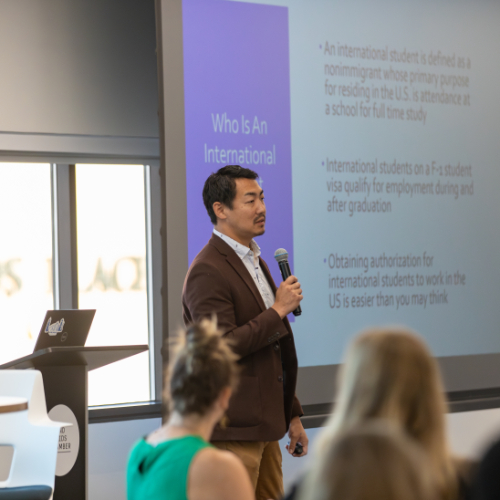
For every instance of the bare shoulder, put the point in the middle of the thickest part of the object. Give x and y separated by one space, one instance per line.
218 475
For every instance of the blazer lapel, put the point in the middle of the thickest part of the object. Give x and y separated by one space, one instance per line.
234 260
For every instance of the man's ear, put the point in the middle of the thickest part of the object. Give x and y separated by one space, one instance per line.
219 210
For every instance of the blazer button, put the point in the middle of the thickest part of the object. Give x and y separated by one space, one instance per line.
276 347
280 379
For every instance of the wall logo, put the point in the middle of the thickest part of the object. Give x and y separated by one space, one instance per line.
55 328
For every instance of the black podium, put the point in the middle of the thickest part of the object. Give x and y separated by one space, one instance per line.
65 379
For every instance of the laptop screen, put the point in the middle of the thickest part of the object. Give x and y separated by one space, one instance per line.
65 327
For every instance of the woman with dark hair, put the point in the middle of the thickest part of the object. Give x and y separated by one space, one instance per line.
176 462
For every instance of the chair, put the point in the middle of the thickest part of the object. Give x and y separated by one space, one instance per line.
26 427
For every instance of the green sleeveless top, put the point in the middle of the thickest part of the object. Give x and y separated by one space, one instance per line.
161 472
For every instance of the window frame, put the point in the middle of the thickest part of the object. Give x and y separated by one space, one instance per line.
65 262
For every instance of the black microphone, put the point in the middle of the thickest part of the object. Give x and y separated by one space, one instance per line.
281 256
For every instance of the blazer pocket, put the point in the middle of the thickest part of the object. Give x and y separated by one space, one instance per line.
245 407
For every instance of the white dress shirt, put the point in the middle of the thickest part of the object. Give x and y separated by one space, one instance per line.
250 257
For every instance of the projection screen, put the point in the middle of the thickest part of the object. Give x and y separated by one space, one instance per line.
373 126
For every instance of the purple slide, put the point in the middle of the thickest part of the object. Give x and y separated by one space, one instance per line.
237 108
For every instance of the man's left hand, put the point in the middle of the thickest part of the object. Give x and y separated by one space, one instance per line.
297 434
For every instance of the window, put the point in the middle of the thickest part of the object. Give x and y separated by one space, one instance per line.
111 236
82 236
25 255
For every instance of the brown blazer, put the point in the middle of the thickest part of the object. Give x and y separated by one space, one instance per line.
265 401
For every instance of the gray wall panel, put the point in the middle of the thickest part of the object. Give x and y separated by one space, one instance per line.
84 67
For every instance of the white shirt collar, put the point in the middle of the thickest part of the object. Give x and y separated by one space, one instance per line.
241 250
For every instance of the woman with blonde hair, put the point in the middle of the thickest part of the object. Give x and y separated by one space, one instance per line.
373 461
176 462
390 374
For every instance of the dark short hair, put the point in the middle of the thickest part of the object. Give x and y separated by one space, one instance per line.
221 186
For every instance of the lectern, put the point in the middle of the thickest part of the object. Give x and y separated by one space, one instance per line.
65 378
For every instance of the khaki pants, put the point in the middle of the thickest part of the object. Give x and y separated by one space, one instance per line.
262 460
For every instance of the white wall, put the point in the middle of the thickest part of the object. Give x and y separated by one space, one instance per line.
109 444
471 432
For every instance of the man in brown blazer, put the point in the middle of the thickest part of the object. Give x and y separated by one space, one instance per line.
229 279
